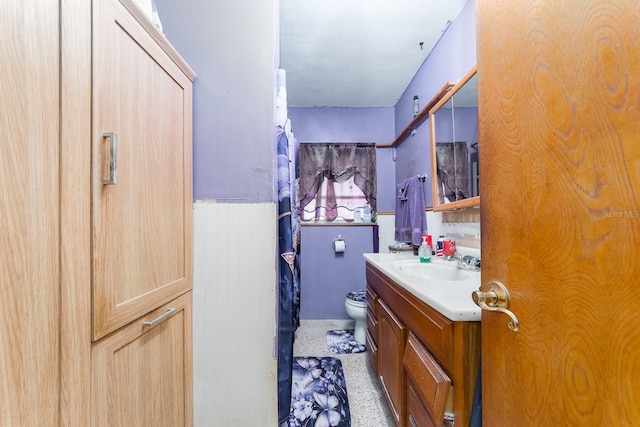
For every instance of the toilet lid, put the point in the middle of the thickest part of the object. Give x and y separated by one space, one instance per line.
358 296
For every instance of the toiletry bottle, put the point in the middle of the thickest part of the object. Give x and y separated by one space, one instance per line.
449 247
440 246
424 252
357 215
416 106
430 243
366 213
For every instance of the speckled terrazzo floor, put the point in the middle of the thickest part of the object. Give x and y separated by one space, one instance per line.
367 405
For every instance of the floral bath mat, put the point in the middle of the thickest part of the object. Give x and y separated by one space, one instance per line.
341 341
318 393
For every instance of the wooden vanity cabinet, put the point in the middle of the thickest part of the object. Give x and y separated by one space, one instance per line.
435 360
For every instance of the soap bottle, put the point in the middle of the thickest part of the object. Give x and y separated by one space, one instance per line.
424 252
366 213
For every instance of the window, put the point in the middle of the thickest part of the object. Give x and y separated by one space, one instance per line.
335 180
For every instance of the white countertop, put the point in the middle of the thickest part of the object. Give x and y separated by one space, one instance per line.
451 298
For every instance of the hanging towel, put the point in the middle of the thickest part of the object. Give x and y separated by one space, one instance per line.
411 221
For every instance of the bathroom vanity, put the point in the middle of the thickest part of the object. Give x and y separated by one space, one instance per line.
423 337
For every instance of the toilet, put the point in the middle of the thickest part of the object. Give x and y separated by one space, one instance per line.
356 306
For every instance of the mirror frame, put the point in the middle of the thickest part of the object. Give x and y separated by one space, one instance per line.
459 204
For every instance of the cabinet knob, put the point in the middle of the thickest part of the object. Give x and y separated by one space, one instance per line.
496 298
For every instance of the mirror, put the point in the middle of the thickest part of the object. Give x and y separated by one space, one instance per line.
454 146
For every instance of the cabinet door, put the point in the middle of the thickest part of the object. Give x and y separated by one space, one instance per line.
141 244
391 342
141 375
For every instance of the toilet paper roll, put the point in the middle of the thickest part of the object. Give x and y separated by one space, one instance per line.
338 246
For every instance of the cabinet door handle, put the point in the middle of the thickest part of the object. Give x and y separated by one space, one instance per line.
113 158
159 319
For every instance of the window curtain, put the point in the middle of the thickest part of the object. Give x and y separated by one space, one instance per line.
337 163
453 171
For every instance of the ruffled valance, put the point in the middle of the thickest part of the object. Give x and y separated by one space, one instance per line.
338 163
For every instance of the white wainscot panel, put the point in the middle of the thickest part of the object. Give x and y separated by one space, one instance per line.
235 371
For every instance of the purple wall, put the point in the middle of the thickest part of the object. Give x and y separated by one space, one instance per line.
466 125
342 124
386 169
233 94
451 59
326 277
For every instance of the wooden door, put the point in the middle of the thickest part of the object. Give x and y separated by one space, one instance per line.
559 106
30 257
141 242
141 375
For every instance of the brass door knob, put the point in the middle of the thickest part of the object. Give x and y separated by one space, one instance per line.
496 298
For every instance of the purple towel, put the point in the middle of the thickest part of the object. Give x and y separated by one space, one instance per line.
411 220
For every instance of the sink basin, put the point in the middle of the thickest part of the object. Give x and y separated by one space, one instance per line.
430 270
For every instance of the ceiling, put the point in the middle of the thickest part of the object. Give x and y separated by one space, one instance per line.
357 53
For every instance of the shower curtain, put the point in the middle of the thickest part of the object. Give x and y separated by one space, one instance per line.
288 284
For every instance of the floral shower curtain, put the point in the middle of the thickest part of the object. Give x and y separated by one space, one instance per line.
338 163
288 267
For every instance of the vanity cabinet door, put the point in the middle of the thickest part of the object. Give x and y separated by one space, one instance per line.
391 339
427 384
417 414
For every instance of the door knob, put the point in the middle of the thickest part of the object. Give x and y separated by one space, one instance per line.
496 298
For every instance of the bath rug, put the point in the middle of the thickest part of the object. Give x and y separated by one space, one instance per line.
318 393
341 341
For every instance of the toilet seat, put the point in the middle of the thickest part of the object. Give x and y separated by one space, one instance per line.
357 298
356 306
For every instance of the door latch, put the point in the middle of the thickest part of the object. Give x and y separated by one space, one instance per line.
496 298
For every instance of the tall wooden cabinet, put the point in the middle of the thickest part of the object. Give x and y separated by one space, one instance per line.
96 212
29 215
141 212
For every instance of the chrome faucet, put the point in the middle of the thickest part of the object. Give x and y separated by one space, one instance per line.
466 262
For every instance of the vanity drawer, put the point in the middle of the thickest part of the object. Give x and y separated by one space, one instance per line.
417 414
372 349
372 324
428 383
372 297
436 333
